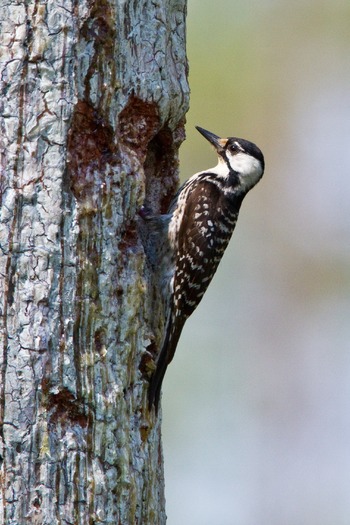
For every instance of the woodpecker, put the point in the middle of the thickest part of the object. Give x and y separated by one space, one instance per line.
200 223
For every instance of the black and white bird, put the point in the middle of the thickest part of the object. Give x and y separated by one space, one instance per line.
200 223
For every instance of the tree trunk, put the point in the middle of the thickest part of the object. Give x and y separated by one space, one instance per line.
93 101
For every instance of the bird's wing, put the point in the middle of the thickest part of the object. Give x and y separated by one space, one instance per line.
202 239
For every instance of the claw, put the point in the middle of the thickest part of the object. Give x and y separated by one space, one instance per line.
145 213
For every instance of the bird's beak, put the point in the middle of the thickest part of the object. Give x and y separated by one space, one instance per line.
216 141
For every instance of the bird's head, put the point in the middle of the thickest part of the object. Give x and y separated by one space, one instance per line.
239 156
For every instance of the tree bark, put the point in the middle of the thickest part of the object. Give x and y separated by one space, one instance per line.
93 98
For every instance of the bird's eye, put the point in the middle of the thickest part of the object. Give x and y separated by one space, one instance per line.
235 147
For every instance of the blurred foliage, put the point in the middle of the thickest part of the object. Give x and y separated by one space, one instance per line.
256 402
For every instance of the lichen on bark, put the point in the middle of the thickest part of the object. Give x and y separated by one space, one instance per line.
93 100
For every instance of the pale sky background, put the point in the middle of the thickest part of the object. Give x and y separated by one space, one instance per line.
256 404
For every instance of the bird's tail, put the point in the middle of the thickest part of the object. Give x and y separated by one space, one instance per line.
172 335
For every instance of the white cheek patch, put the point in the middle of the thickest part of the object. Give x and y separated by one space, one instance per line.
248 168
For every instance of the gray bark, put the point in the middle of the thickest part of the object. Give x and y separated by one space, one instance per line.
93 98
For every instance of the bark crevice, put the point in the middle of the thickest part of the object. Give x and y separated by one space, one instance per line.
93 102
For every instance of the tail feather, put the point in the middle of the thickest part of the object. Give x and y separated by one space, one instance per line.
172 335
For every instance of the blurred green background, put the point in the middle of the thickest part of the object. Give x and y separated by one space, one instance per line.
256 403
